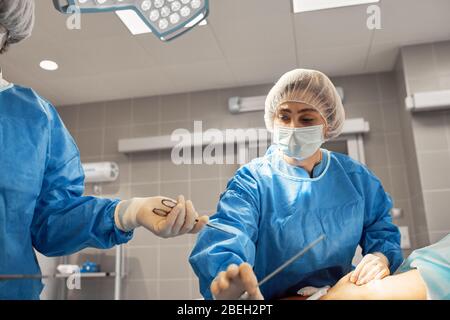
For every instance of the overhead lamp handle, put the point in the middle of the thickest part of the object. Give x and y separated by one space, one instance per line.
61 8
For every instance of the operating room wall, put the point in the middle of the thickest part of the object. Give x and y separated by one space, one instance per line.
427 68
419 232
158 268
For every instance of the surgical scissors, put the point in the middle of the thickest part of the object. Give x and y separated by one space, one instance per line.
172 204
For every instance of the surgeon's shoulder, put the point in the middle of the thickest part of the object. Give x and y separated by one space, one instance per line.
248 175
352 167
254 168
30 103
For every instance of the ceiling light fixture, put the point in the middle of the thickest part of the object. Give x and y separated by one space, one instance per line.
49 65
314 5
167 19
137 26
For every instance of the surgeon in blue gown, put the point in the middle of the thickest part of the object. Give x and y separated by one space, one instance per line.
278 204
42 182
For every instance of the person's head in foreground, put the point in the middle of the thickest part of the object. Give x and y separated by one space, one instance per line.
16 21
44 209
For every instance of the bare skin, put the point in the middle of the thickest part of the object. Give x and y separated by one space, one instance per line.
405 286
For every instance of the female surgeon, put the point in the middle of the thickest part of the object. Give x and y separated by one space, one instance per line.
278 204
42 182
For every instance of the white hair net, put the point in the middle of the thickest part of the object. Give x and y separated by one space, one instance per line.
310 87
17 16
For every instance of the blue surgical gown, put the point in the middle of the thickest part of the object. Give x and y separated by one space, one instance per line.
433 264
41 187
276 209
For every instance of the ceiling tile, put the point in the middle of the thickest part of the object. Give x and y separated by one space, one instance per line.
382 57
406 22
332 28
192 77
245 29
335 61
194 46
245 43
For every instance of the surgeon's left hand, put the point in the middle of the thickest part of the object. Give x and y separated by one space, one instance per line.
372 267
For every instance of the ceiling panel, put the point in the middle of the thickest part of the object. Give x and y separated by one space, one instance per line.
253 28
332 28
262 68
114 85
195 46
246 42
51 23
407 22
192 77
382 57
336 61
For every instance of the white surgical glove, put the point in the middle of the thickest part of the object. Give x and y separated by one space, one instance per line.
163 216
372 267
231 284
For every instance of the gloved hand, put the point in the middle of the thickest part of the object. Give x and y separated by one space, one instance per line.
231 284
163 216
372 267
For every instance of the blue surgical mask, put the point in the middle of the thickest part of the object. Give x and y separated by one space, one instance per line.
299 143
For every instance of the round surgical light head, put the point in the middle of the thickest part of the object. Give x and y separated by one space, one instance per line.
167 19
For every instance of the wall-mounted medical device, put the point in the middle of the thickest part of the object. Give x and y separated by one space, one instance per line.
250 104
97 172
428 101
167 19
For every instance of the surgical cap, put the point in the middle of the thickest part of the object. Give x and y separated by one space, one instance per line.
310 87
17 16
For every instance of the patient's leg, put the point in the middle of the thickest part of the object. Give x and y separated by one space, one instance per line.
404 286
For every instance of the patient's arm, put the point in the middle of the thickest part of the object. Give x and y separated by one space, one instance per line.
404 286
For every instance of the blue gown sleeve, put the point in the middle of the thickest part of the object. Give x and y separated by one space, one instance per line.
238 210
380 234
433 264
64 221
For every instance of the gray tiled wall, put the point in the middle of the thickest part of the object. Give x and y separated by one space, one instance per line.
427 68
158 269
419 231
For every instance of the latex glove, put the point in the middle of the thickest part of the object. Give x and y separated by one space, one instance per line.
179 216
232 283
372 267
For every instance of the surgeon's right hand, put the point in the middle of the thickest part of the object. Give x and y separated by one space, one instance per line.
163 216
232 283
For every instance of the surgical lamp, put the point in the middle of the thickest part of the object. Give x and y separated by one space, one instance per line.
167 19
